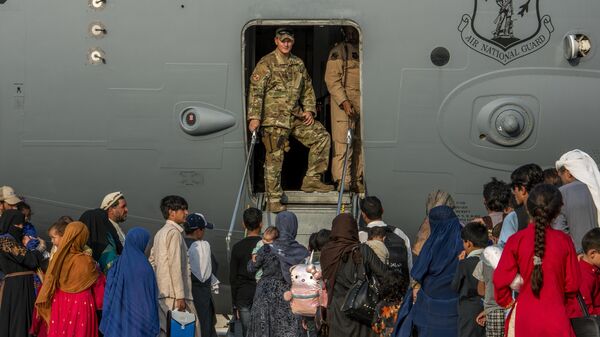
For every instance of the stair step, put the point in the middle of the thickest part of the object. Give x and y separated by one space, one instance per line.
316 198
310 219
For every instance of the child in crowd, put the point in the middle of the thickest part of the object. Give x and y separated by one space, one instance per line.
589 265
551 177
496 198
30 238
475 239
271 234
56 232
318 239
376 242
492 316
392 291
546 259
73 288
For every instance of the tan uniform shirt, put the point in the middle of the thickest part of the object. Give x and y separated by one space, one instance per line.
343 68
280 87
170 262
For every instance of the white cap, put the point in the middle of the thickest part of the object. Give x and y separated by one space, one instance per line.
7 195
110 199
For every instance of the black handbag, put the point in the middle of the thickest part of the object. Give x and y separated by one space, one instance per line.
586 326
234 328
362 298
321 322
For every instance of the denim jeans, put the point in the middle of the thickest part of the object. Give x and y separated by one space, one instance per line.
245 318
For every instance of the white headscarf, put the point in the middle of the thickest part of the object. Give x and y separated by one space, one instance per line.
584 169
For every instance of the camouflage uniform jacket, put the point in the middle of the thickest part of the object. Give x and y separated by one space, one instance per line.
280 88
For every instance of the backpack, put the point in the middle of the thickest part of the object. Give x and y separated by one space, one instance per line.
398 250
308 293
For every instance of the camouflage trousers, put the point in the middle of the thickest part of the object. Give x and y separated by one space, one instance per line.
276 142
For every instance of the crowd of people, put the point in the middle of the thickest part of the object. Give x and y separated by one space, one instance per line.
96 280
536 253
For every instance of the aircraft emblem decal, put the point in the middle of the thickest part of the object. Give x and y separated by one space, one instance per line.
506 30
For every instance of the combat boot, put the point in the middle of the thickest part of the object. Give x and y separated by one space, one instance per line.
314 184
276 207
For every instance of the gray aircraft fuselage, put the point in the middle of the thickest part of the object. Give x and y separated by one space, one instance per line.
92 100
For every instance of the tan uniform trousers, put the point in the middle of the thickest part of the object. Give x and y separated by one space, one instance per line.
164 305
339 130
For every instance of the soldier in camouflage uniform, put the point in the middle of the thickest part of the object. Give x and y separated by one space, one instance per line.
342 76
282 101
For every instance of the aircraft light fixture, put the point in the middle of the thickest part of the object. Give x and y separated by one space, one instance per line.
576 46
97 30
96 56
204 119
97 4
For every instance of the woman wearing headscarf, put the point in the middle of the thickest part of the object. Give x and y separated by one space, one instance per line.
431 306
103 239
339 262
581 195
271 315
17 296
73 288
131 294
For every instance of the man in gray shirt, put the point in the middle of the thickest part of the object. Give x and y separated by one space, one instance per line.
581 179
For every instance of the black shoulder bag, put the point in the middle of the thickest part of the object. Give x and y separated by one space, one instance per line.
362 298
586 326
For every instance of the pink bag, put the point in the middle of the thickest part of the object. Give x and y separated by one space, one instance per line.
306 291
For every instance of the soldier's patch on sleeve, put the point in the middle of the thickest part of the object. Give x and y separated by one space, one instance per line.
334 56
255 77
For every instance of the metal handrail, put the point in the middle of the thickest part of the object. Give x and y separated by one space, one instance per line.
240 191
342 181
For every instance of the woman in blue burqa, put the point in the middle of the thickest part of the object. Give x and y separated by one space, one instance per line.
131 294
430 308
271 314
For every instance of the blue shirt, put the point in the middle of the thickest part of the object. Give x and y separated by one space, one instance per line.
510 226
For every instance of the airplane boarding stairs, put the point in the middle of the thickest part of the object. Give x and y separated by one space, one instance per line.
314 210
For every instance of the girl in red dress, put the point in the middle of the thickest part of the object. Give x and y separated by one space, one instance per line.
547 261
73 288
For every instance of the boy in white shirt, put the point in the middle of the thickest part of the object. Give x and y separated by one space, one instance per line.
201 265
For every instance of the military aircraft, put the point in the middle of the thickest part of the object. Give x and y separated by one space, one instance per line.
148 98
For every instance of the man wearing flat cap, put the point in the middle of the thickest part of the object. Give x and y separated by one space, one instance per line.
282 101
106 237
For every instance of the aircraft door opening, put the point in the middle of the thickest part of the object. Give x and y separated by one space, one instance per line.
319 44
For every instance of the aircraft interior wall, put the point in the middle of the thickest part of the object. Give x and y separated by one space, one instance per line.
312 45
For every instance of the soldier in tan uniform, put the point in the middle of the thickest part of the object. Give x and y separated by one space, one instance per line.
342 77
282 101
